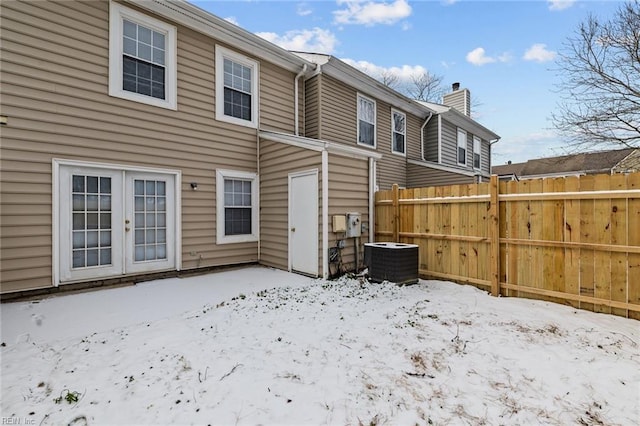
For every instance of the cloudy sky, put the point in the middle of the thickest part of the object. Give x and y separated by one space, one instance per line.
504 52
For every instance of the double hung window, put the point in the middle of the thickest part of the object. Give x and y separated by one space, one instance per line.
236 88
398 132
142 58
462 147
476 152
366 121
237 206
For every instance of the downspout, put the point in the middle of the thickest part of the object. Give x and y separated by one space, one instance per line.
422 136
490 156
325 213
295 100
372 199
439 139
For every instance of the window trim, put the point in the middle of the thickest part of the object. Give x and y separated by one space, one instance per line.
479 152
375 114
458 146
117 13
221 238
222 53
393 132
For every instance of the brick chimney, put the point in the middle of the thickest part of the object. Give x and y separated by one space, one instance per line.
460 99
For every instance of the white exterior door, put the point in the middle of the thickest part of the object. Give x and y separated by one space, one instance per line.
114 222
149 222
303 222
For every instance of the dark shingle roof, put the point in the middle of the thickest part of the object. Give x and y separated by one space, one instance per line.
590 162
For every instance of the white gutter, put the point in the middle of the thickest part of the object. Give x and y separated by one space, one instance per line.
325 214
422 136
295 100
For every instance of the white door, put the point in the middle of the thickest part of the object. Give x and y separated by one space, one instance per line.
114 222
303 222
149 222
91 208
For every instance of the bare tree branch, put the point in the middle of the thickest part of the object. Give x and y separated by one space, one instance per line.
600 72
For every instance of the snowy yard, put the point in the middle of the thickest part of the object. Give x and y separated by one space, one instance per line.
258 346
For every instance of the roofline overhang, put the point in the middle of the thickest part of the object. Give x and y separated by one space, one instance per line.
355 78
197 19
469 124
462 120
318 145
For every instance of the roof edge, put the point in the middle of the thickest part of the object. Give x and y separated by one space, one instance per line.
197 19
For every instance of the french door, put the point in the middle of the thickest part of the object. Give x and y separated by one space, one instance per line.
115 222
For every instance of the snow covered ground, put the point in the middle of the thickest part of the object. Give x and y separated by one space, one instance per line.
259 346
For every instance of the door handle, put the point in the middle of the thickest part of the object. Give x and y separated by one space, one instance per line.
293 229
126 225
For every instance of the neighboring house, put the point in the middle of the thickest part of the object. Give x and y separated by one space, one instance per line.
345 105
456 149
616 161
421 143
144 138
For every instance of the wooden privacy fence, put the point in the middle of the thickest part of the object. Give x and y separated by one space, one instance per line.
573 240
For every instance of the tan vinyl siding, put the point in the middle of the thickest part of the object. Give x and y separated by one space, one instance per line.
485 160
338 114
431 149
277 109
312 107
339 123
55 93
449 144
277 160
348 192
413 137
420 176
391 167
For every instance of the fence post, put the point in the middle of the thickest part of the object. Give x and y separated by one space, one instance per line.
396 212
494 235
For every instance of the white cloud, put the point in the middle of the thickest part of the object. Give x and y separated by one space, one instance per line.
232 19
304 9
539 53
560 4
478 57
404 72
315 40
371 13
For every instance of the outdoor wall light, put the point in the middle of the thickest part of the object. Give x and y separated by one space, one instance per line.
194 186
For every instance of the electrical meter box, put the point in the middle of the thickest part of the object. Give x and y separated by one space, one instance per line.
354 225
339 223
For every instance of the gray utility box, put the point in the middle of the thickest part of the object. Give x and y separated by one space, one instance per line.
393 262
354 225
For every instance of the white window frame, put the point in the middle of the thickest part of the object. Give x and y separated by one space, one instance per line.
117 13
462 143
221 54
221 238
375 114
477 149
393 132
